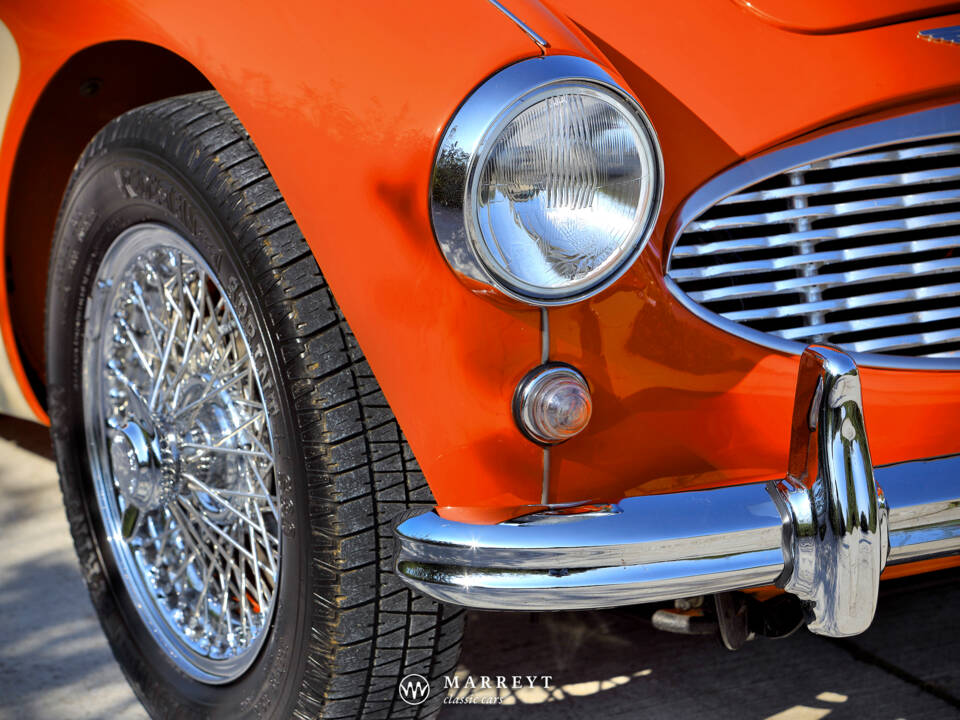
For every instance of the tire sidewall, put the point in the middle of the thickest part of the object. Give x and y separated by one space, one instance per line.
125 184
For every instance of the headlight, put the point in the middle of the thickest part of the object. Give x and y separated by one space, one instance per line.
547 182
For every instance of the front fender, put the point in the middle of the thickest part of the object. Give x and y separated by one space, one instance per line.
346 104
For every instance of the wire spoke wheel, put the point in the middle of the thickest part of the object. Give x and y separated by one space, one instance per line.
182 453
231 470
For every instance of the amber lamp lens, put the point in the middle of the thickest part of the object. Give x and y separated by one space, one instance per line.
555 404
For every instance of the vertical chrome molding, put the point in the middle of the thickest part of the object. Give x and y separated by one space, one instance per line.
12 401
545 487
522 25
545 358
544 336
811 293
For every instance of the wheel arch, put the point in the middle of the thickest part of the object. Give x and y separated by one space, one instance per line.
92 87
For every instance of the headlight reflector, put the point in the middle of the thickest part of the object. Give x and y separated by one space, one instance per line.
557 191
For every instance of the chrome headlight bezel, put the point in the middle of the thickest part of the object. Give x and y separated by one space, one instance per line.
476 126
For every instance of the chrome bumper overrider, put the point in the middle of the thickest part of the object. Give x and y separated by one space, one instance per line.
823 533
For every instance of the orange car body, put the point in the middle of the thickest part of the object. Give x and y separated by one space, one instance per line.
347 105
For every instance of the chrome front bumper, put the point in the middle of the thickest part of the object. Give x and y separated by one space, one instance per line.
824 532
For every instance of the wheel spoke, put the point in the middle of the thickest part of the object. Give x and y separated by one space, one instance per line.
189 344
158 380
239 429
127 382
125 326
263 489
228 450
147 315
216 391
198 516
226 504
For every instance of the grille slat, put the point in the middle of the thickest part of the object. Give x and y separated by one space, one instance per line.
848 303
860 250
883 321
818 212
872 182
901 342
816 258
880 227
823 282
911 153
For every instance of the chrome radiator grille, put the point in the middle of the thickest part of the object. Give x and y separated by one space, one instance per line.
859 250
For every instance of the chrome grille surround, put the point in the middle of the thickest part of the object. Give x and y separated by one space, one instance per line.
851 239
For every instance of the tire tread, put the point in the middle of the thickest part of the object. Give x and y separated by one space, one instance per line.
369 630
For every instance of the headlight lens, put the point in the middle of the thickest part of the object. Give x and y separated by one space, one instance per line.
547 183
564 191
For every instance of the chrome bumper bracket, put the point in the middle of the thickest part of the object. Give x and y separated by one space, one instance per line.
835 519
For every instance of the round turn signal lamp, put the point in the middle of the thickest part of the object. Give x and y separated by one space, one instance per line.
552 403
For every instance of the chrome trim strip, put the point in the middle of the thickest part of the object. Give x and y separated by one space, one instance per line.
12 400
925 124
521 24
545 482
824 532
544 336
544 359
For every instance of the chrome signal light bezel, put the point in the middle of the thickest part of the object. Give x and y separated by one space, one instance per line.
524 413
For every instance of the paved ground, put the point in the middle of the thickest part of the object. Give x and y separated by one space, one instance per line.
55 664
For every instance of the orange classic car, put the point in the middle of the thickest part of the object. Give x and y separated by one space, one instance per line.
347 316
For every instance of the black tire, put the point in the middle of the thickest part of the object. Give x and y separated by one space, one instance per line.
345 630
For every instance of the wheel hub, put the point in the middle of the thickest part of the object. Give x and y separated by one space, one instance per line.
223 472
147 465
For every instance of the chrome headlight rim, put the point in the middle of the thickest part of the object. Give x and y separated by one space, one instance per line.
460 157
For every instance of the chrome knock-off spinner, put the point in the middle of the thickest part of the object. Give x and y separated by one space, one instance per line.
146 466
